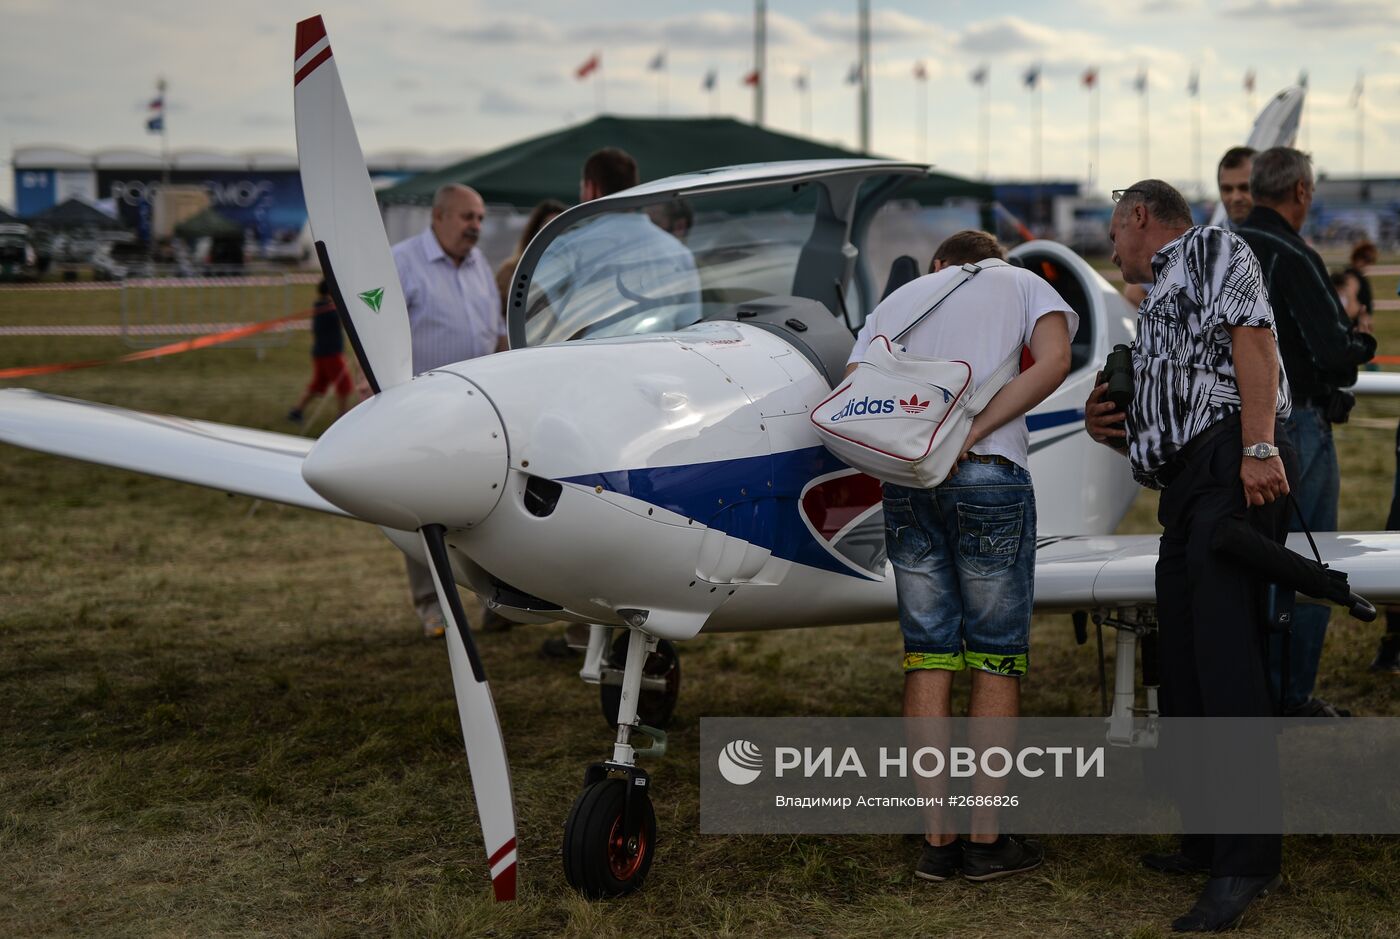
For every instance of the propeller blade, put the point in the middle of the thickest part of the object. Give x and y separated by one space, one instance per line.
481 729
345 219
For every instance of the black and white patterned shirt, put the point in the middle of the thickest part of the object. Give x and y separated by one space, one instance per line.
1183 368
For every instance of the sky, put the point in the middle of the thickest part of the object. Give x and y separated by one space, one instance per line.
467 76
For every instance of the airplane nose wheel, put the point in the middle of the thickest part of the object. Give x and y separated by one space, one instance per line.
610 837
661 684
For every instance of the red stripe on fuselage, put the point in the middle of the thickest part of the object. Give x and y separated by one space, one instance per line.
309 32
311 66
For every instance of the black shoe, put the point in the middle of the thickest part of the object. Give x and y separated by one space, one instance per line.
1174 862
294 415
1222 903
1316 707
940 861
1388 655
1009 854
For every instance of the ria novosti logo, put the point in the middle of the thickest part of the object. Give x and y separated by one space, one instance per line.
740 762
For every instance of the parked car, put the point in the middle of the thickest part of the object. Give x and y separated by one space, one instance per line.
18 260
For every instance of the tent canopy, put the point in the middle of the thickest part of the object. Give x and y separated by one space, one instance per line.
74 214
548 167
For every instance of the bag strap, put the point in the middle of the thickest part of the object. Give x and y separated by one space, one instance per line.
969 271
988 389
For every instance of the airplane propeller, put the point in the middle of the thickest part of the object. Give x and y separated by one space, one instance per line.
349 231
424 457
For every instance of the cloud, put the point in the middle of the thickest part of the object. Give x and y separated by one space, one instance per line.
498 101
886 26
435 108
1319 14
529 29
1007 34
265 119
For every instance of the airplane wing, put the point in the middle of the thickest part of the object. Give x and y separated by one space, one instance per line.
255 463
1377 383
1088 571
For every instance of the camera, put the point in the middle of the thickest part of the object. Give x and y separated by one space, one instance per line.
1118 372
1339 405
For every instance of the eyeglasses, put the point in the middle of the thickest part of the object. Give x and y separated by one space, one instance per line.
1120 193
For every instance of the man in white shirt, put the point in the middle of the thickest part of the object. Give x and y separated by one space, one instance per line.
964 552
454 313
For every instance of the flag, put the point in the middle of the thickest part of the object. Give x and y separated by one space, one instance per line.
711 77
658 62
920 71
1303 79
1357 89
801 81
1090 78
751 79
978 76
1193 84
1249 81
853 76
1031 78
592 65
1140 83
155 111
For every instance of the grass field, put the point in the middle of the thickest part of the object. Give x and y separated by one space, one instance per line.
218 718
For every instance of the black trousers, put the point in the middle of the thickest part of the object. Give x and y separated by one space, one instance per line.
1213 655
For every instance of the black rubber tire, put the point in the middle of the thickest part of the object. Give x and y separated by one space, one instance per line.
654 708
596 861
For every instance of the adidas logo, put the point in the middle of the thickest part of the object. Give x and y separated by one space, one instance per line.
914 405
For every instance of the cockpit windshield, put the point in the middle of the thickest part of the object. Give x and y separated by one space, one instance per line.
668 265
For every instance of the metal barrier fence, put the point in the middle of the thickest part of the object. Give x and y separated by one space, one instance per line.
162 303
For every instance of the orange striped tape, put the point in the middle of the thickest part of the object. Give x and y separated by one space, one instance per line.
174 348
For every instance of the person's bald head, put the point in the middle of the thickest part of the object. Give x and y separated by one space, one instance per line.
458 212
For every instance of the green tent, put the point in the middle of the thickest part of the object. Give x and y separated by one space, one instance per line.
548 167
208 224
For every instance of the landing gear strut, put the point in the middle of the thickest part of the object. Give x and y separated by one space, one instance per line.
661 683
610 835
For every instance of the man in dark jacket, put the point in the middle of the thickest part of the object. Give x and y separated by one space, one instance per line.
1320 355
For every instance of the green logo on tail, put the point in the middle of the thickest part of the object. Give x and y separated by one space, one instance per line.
373 298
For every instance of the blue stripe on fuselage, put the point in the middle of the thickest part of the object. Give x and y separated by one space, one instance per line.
754 498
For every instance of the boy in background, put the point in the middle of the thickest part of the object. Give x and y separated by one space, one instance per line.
328 365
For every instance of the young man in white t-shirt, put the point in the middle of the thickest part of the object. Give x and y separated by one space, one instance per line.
964 552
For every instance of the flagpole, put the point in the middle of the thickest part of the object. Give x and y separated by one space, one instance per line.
164 139
923 119
760 42
984 122
1360 127
807 102
1142 126
863 38
1094 133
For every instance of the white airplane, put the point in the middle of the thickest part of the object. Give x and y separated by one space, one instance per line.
642 461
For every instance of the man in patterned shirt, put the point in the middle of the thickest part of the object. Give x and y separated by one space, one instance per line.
1207 384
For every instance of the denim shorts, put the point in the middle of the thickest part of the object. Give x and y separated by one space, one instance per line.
964 566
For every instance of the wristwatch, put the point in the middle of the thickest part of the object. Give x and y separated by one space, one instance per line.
1261 451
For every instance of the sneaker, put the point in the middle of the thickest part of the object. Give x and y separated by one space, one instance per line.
434 626
940 861
1316 707
1009 854
294 415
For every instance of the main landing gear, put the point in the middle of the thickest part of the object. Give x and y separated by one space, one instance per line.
610 835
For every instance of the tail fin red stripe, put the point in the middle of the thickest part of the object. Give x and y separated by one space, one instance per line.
311 66
309 32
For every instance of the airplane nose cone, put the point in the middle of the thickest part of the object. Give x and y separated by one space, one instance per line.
428 451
